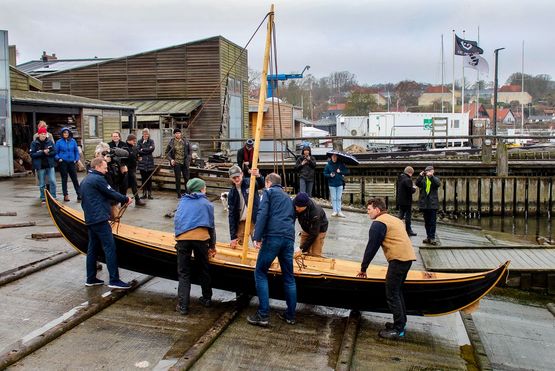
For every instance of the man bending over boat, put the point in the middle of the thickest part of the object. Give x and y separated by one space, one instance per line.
389 232
194 232
96 195
274 235
237 200
314 223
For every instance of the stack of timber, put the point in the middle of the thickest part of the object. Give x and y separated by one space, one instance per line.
217 181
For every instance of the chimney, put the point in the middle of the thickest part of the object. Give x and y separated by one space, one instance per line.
45 57
12 55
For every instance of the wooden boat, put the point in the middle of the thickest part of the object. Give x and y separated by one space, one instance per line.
322 281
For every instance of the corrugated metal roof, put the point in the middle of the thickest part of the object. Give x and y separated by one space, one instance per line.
164 107
35 97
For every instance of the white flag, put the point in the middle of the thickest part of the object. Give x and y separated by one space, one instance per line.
476 62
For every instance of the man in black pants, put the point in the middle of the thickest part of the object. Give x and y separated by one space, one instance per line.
405 190
179 153
388 232
194 235
131 147
428 202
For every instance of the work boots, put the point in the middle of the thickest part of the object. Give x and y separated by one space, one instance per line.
139 202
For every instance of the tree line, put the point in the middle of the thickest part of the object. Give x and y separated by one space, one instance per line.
315 94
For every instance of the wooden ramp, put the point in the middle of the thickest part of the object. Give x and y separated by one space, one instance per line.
470 259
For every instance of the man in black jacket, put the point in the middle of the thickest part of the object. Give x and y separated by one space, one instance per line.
245 157
237 201
179 152
314 223
428 202
131 148
405 190
305 165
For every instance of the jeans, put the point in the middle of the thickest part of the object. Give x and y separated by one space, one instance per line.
306 186
405 212
430 217
184 250
335 195
180 169
68 168
394 279
51 174
101 234
283 249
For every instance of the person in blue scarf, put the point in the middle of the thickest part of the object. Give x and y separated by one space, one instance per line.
67 155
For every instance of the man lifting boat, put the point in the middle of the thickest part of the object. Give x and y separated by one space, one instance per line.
389 232
314 223
194 232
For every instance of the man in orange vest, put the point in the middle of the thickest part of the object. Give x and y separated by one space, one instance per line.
389 232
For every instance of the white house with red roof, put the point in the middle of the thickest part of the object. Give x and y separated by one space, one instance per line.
510 93
435 93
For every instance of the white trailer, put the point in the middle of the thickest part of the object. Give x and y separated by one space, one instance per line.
405 124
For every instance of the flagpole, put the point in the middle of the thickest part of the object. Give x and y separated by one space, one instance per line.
522 94
442 73
477 83
462 87
453 88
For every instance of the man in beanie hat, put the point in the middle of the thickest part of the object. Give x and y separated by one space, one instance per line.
405 190
244 157
194 232
133 150
237 201
43 153
428 202
314 223
179 153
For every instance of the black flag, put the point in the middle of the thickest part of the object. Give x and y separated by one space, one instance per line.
466 47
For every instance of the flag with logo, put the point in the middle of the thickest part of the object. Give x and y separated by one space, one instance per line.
476 62
466 47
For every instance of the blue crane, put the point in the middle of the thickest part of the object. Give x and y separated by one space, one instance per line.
273 80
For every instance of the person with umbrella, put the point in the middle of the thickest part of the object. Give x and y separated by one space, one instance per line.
335 172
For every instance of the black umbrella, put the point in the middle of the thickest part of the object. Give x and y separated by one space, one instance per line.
346 158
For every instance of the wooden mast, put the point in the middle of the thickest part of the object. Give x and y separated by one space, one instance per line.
259 117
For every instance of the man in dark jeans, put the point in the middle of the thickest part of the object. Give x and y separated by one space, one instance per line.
96 195
179 153
274 235
194 235
131 148
388 232
428 202
405 190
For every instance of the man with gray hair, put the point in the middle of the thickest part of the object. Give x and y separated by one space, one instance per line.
274 235
405 190
237 201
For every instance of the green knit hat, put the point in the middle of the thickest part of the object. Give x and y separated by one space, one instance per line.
195 185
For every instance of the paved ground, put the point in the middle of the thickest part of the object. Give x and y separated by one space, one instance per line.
142 330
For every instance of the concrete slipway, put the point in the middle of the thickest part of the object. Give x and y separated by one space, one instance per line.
143 331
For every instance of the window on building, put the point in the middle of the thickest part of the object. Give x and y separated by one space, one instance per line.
454 124
56 85
93 126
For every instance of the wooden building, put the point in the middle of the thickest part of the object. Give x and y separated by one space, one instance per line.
274 116
91 120
212 70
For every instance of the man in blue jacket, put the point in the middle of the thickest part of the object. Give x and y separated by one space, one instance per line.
67 155
194 232
97 194
237 201
274 235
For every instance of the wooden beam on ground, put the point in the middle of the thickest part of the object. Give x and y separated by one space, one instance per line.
345 357
44 236
18 225
8 213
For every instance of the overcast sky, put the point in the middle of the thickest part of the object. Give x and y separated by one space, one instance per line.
378 41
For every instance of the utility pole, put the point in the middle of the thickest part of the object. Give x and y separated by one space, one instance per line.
496 52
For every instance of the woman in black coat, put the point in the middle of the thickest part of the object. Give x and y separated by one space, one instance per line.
146 162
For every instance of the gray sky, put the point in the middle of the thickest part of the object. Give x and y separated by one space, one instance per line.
378 41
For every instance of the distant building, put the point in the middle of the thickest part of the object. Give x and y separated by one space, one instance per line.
333 111
434 94
510 93
505 117
540 119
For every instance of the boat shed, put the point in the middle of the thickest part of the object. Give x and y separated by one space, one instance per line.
212 70
91 120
